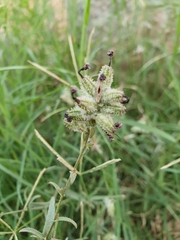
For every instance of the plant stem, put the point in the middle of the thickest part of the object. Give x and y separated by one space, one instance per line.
29 198
83 147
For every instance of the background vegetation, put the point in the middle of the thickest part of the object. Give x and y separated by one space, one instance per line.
145 38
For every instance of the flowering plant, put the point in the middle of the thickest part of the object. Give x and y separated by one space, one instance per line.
97 103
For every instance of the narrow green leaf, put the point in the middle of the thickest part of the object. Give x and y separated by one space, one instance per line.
103 165
33 231
72 177
151 129
50 217
58 189
66 219
50 73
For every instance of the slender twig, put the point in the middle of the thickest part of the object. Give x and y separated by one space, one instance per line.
101 166
50 73
83 147
171 164
82 150
29 198
82 219
59 158
3 222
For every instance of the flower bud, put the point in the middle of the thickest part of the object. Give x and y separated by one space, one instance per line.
124 99
110 53
67 117
86 66
111 138
73 89
118 125
102 77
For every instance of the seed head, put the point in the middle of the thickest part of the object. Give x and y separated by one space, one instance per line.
110 53
97 104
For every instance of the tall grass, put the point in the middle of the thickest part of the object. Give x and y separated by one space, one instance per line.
145 38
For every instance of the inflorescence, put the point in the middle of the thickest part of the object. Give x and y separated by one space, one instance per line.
97 103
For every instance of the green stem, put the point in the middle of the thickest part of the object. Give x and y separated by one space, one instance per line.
83 147
29 198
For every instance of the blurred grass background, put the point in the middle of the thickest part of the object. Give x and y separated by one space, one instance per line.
145 38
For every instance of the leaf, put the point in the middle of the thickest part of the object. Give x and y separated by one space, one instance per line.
103 165
66 219
50 217
33 231
72 177
154 130
49 73
171 164
34 198
58 189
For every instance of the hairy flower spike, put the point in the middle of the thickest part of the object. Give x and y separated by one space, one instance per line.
86 103
114 110
88 86
112 96
97 103
106 123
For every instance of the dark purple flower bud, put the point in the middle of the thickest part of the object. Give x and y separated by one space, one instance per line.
118 125
102 77
73 89
111 138
125 99
110 53
66 115
86 66
69 119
